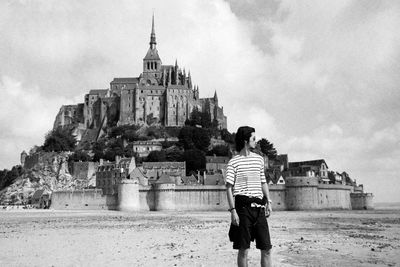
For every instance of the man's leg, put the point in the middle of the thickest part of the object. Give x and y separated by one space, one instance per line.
242 257
266 258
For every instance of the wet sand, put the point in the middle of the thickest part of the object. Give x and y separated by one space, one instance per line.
111 238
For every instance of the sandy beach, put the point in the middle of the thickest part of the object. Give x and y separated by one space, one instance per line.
111 238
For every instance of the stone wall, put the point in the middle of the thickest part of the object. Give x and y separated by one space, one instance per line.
300 194
278 196
361 201
331 196
91 199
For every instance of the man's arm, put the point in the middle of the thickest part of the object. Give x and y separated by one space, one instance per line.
231 204
265 190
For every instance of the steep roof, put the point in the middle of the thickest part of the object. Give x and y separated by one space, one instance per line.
316 163
152 54
217 159
98 92
166 164
138 174
126 80
190 180
166 179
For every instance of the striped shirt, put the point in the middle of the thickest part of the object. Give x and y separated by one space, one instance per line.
246 173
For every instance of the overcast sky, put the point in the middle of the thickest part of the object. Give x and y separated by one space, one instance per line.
319 79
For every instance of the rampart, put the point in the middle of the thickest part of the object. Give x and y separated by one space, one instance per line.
299 193
90 199
362 201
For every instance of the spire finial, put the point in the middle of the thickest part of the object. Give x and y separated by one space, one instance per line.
153 34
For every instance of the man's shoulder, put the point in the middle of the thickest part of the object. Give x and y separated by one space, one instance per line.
257 156
234 159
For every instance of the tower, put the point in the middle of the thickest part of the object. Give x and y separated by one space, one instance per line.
152 62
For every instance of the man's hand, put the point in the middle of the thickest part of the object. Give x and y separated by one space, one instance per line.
234 218
268 210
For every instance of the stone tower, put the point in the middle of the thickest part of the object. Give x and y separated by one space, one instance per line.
152 62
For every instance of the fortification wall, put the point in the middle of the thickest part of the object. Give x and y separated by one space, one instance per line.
207 197
331 196
278 196
146 198
91 199
128 195
362 201
299 193
302 193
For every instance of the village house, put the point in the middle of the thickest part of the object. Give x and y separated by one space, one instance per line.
216 164
108 174
154 170
143 148
310 168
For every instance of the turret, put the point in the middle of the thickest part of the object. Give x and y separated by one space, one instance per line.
152 61
189 81
215 98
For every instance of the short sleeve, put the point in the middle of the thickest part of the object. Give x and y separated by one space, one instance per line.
230 173
262 172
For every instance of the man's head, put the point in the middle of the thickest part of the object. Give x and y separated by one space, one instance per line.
245 135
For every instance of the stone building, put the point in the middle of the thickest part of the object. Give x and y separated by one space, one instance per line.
161 94
216 164
154 170
143 148
85 170
109 174
310 168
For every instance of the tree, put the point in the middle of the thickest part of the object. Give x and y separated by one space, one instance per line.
59 139
8 177
227 136
79 156
193 137
201 138
220 150
98 150
156 156
174 154
267 148
195 160
186 137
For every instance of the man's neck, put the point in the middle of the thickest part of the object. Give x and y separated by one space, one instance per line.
245 151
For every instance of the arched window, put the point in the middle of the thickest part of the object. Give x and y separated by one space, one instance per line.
148 65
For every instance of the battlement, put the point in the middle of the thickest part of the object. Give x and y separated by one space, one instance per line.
301 181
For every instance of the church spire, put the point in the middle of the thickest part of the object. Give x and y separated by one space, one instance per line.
152 35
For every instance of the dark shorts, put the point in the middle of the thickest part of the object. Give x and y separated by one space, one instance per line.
253 225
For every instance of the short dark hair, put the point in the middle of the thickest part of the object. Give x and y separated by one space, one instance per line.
243 134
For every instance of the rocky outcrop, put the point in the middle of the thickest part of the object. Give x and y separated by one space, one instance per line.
49 171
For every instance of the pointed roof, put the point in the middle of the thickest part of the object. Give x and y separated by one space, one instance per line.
215 96
152 53
153 34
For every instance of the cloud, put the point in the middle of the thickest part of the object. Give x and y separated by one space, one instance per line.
318 79
25 117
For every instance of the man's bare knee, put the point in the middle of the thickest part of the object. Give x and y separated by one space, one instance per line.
266 252
243 252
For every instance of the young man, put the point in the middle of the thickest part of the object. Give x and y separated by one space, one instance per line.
248 199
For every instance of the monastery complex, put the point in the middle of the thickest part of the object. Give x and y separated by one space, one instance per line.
161 94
